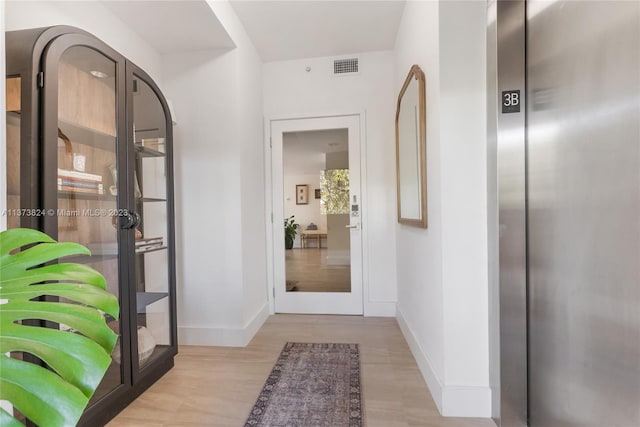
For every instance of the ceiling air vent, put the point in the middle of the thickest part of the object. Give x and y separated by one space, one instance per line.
345 66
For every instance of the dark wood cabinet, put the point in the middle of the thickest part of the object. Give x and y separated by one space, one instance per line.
89 160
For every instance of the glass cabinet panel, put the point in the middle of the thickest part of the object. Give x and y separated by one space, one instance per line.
13 213
13 109
87 187
152 256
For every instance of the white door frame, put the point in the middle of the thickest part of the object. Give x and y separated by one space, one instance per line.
269 192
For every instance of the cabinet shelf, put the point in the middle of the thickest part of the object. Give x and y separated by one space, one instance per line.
89 259
79 134
13 118
86 196
151 199
110 251
143 299
143 151
158 353
153 249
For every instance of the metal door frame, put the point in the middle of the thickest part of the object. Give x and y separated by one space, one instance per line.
506 72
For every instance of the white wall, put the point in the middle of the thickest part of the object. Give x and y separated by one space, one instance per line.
463 98
90 16
419 254
442 271
289 90
249 120
219 189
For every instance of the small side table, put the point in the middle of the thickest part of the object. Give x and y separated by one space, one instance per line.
316 235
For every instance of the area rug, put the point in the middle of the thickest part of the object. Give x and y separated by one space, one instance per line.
311 385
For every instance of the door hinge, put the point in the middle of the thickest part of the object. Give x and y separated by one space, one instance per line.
270 142
40 79
271 217
274 292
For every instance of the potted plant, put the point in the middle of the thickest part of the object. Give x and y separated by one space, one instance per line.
79 356
290 231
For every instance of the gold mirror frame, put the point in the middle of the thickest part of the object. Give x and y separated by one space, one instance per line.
411 138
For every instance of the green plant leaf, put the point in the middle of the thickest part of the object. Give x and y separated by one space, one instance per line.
7 420
85 320
79 292
13 265
41 395
12 240
66 272
78 357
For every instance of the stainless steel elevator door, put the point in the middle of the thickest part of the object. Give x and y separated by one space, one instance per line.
584 213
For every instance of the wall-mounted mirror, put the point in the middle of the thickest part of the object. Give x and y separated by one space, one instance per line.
411 148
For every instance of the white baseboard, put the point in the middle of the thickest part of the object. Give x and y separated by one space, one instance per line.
452 401
254 325
223 337
380 309
430 377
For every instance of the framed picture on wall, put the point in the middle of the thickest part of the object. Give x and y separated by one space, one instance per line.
302 194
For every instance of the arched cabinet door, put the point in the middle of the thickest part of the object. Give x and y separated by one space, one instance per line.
154 335
84 176
89 144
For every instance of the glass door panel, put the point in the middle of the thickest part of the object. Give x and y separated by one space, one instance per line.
316 172
13 212
86 183
152 256
13 109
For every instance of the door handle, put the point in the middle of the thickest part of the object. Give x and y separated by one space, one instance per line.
129 219
355 226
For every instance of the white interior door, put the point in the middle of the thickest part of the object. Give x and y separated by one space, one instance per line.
337 243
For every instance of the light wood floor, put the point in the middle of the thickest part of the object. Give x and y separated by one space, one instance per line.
217 386
308 270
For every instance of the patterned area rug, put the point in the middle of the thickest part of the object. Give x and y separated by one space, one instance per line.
311 385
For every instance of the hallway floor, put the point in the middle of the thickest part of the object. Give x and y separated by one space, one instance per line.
308 271
217 386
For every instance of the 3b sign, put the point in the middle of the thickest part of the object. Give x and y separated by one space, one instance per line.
511 101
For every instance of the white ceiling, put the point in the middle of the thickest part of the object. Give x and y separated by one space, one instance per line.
173 26
280 30
283 30
304 153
